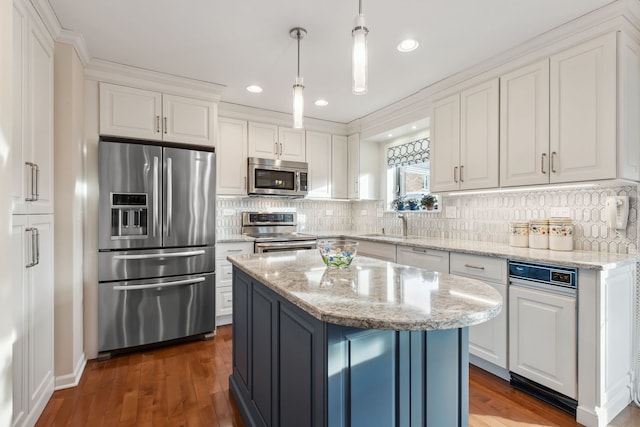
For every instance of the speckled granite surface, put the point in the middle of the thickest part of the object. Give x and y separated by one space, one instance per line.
579 259
234 238
373 294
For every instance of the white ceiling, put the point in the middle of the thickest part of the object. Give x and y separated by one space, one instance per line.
242 42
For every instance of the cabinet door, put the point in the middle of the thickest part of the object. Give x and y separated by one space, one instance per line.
479 147
33 121
583 111
21 257
231 157
292 145
524 126
339 167
130 112
40 317
542 338
187 120
263 140
488 340
445 144
319 150
382 251
353 159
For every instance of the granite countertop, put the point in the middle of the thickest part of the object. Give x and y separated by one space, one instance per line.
580 259
234 238
373 294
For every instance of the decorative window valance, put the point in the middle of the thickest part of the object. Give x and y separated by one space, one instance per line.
413 152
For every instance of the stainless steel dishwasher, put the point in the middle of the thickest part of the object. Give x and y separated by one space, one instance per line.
543 332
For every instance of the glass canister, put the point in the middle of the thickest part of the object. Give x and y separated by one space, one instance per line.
561 234
519 234
539 234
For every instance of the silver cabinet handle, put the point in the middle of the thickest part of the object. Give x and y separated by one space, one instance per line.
169 194
275 151
477 267
553 161
424 251
455 174
234 250
165 125
542 162
32 193
37 233
280 149
156 199
32 261
157 124
461 170
245 183
164 255
37 181
158 285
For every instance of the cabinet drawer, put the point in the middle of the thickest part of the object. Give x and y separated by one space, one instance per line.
224 301
224 271
428 259
223 250
383 251
479 267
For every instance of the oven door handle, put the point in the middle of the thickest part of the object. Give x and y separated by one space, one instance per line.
158 285
302 244
164 255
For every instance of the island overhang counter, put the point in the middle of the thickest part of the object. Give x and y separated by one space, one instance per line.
377 343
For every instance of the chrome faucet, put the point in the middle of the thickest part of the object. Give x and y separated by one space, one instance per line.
404 224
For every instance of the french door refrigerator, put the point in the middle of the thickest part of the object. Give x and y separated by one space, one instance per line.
156 260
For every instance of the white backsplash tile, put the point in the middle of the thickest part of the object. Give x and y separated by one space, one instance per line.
480 217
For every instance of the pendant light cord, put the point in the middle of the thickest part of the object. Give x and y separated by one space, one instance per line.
359 7
298 37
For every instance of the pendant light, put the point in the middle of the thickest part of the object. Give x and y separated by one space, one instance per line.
359 58
298 99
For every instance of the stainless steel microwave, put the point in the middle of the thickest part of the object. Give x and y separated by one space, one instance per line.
267 177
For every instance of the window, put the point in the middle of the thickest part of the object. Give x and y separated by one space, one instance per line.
408 173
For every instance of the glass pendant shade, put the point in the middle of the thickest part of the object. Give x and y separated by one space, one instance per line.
298 104
359 58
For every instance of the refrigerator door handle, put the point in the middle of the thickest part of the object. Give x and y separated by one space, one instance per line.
169 194
159 285
156 256
156 201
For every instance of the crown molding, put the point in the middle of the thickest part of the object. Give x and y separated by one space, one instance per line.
111 72
244 112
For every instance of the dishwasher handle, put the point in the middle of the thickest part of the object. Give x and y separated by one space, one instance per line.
543 286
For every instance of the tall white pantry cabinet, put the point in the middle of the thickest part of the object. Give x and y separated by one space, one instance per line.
32 223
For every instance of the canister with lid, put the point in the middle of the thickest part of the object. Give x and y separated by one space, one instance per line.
539 234
561 234
519 234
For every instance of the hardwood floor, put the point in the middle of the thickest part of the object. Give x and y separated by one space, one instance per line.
188 385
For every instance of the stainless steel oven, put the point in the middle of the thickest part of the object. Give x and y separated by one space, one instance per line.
275 232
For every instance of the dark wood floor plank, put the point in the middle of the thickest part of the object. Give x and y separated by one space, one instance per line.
188 385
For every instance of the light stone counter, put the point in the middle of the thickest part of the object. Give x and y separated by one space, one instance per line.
373 294
235 238
580 259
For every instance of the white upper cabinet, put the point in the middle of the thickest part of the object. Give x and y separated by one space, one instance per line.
363 178
32 148
231 157
273 142
353 160
464 139
524 126
339 167
319 151
583 111
144 114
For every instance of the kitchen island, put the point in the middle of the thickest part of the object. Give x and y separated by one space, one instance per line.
375 344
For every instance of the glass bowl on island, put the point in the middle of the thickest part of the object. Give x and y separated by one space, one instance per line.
337 253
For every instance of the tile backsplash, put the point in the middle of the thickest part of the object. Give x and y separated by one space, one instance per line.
479 217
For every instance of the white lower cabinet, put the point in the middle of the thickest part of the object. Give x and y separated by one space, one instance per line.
382 251
224 276
32 293
542 338
427 259
487 340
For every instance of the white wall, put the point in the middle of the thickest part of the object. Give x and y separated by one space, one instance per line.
68 208
6 318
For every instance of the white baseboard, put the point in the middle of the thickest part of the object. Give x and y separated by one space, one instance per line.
490 367
72 380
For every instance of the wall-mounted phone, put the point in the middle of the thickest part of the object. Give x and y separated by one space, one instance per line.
617 212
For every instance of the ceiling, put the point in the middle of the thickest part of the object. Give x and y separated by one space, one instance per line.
237 43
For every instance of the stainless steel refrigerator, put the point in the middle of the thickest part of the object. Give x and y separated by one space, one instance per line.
156 261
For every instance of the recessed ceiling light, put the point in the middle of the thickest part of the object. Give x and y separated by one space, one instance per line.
408 45
390 135
321 103
254 89
414 127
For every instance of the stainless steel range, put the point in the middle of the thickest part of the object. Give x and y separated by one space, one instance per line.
275 232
